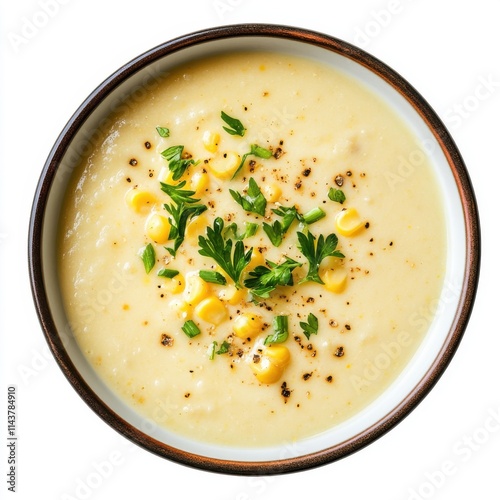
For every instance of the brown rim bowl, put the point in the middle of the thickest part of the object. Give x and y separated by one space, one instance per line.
439 345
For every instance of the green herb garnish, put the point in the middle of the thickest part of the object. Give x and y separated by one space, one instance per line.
148 256
312 216
168 273
263 280
336 195
250 229
163 131
255 150
311 327
221 250
235 126
254 201
182 210
190 328
212 277
176 164
280 334
316 253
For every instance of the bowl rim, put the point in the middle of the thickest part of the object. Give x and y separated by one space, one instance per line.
465 304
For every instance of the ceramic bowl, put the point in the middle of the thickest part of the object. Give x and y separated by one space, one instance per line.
445 331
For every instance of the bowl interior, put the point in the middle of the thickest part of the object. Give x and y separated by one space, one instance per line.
444 329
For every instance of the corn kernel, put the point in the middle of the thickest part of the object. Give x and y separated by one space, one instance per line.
174 285
272 193
196 289
139 200
348 222
232 295
195 227
257 259
335 279
272 363
247 325
199 183
224 167
211 310
211 141
158 228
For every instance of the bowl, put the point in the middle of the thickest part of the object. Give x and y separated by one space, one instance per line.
445 329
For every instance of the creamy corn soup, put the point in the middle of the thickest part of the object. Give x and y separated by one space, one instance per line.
252 251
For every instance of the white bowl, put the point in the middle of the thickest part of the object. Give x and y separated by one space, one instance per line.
445 331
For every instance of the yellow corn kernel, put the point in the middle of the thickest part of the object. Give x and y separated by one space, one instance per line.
181 307
199 183
232 295
257 259
212 310
348 222
247 325
271 364
158 228
139 200
224 166
335 279
174 285
195 227
196 289
211 141
272 193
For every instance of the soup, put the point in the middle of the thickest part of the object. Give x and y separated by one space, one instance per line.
251 252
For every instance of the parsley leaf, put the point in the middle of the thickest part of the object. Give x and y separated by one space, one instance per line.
148 256
163 131
336 195
221 250
255 150
235 126
311 327
176 164
280 327
182 210
212 277
254 201
316 253
250 229
263 280
277 230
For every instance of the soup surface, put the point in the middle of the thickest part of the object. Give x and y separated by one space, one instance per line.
251 252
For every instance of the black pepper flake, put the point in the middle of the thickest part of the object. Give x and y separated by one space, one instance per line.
339 180
339 352
306 172
285 391
348 173
298 185
307 376
278 153
367 225
329 379
347 327
147 145
187 395
166 340
133 162
129 179
256 358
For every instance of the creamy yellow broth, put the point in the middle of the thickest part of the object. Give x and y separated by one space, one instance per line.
324 130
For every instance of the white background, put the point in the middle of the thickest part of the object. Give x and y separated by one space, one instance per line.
448 448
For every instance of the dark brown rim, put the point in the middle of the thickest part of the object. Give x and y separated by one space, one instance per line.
453 338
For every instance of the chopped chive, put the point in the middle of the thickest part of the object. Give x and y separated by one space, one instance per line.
168 273
190 328
280 327
313 215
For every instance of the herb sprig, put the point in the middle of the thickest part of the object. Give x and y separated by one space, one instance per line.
254 201
280 334
316 252
310 327
176 163
235 126
263 280
255 150
221 250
